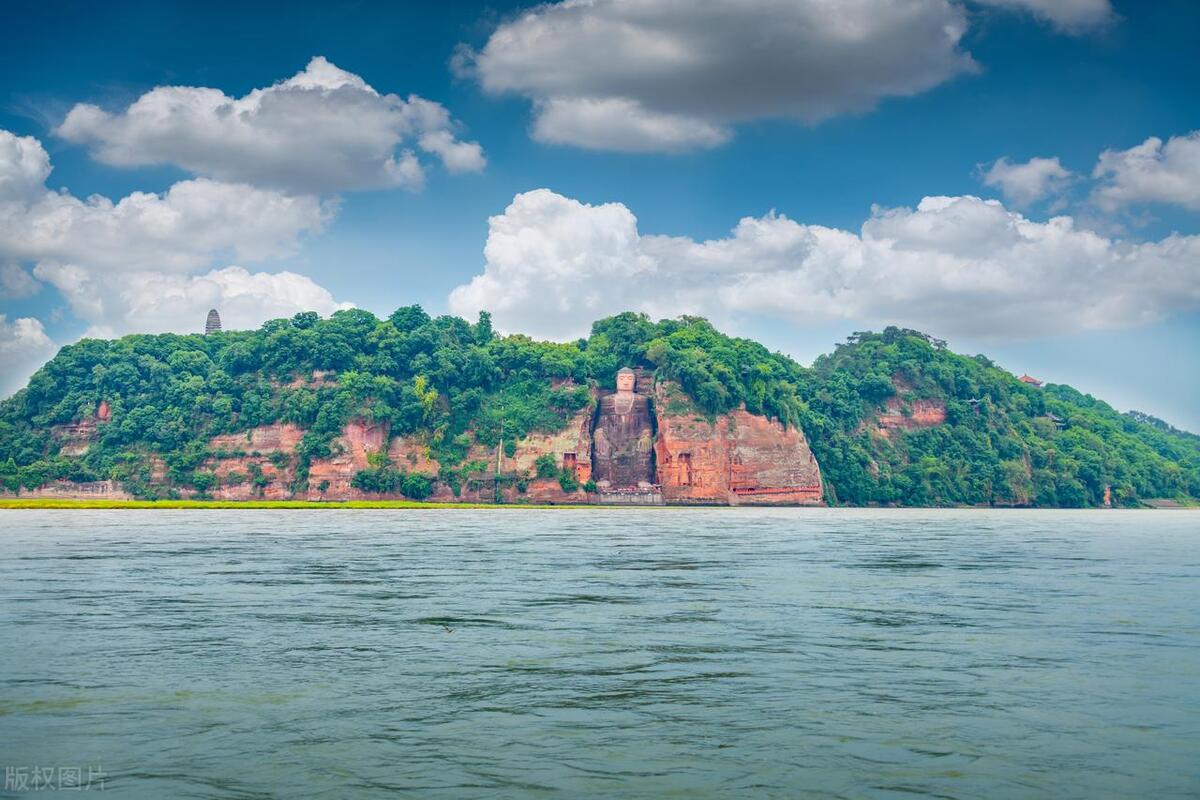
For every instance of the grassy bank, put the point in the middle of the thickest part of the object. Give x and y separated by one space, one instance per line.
44 502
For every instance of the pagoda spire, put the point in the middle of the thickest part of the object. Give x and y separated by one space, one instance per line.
213 323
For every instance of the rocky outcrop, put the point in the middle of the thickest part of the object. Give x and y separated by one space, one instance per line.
900 414
733 459
644 444
314 380
571 448
906 411
411 454
75 438
332 478
257 464
67 490
282 436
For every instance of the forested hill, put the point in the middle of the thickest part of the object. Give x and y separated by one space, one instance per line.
893 417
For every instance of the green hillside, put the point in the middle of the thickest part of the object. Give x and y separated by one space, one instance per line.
455 384
1002 441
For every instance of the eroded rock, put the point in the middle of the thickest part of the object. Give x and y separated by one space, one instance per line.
643 444
732 459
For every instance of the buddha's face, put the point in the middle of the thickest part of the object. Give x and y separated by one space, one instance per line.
625 382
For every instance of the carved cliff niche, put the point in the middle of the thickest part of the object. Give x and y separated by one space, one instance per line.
623 438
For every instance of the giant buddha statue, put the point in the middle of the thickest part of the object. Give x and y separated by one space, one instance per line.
623 440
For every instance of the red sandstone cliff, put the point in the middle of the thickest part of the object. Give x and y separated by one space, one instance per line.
75 439
330 479
735 459
261 464
910 414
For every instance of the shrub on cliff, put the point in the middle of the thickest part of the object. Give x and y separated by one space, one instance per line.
546 466
386 479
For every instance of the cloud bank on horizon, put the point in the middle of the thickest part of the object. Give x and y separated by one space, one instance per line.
955 265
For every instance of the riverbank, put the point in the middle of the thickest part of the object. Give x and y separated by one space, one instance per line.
46 502
67 503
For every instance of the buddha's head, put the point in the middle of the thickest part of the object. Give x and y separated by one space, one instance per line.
625 380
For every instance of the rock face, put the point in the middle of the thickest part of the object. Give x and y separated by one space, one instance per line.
75 438
643 445
735 459
66 490
571 448
350 450
904 411
900 415
264 439
246 463
623 442
412 455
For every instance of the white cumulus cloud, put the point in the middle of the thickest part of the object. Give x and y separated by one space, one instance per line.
616 123
1151 172
181 229
322 130
951 266
157 302
16 282
24 167
672 75
185 227
24 346
1069 16
1027 183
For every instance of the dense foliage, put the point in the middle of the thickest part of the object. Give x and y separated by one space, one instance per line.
455 384
1003 442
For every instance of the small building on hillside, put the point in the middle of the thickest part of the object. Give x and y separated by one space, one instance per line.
1031 381
213 323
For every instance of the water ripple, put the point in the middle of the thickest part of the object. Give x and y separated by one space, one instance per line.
701 653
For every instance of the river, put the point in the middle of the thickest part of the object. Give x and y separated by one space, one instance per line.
698 653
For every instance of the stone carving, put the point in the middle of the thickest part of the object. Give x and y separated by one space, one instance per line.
623 441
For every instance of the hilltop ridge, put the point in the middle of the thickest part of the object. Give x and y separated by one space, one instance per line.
357 407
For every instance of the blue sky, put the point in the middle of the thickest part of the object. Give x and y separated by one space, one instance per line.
652 146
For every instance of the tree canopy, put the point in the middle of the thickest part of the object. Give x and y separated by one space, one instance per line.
456 383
